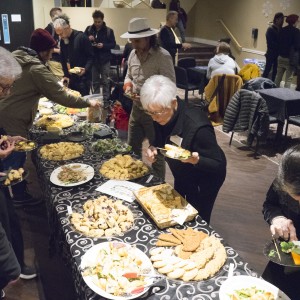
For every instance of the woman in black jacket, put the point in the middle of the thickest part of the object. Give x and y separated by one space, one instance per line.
281 210
200 177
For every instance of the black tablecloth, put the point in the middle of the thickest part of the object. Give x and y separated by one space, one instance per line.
74 244
282 102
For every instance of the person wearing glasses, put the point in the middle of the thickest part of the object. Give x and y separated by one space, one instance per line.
281 210
200 177
75 51
12 263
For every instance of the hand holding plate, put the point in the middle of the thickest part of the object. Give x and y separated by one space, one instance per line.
194 159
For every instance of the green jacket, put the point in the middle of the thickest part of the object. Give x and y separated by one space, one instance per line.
18 110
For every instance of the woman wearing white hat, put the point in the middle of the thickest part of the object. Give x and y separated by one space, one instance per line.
146 59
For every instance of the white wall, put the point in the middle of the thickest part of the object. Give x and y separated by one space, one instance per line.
116 18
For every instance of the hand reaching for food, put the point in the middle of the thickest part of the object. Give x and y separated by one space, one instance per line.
151 154
6 147
284 228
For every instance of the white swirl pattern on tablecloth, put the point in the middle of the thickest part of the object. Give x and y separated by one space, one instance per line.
143 234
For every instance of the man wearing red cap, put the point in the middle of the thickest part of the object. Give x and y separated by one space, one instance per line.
287 46
18 110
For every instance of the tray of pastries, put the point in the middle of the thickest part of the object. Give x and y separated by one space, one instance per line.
165 205
103 217
123 167
61 151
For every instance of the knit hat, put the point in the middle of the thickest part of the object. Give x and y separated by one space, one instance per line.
292 19
41 40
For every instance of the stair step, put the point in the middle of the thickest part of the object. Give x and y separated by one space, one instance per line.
207 55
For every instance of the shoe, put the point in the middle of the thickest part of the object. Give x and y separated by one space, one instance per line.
25 200
28 272
2 294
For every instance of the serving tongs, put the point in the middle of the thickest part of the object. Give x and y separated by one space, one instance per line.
276 247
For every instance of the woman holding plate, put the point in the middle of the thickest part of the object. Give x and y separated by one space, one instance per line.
199 177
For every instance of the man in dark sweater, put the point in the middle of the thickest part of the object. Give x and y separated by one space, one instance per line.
77 51
287 44
167 36
54 62
103 40
272 37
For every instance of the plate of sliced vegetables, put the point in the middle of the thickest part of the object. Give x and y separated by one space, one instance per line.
244 287
289 253
117 271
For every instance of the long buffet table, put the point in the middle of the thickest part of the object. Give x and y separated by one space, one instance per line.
73 244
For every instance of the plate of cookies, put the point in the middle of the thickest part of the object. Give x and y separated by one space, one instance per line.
193 255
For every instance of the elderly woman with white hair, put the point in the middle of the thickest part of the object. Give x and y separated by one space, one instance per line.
199 177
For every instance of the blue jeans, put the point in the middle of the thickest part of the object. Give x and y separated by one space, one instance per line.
181 30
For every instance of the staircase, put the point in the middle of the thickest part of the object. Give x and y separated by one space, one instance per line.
201 52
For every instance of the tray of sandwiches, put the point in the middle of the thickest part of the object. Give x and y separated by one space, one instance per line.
165 206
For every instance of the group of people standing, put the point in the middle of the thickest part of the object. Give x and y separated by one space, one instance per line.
283 48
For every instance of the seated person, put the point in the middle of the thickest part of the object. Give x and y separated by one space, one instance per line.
222 63
281 211
199 177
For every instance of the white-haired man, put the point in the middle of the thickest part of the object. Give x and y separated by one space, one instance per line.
146 59
76 50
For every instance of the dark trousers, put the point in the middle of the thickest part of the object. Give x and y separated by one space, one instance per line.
81 84
9 267
286 279
271 64
11 224
201 194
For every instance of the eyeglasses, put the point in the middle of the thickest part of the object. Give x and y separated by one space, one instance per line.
155 113
5 88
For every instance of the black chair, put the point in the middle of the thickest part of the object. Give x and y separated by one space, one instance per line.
295 120
187 62
115 63
183 83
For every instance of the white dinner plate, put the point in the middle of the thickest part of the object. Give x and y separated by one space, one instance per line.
242 281
88 170
90 258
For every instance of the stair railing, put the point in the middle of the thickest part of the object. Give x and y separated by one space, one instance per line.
232 37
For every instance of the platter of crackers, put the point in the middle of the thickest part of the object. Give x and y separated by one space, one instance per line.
165 205
192 255
103 217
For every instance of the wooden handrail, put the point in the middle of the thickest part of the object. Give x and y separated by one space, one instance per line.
237 44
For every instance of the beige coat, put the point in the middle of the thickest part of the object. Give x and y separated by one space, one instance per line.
18 110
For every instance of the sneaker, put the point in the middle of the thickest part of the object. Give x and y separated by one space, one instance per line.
28 272
25 200
2 294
